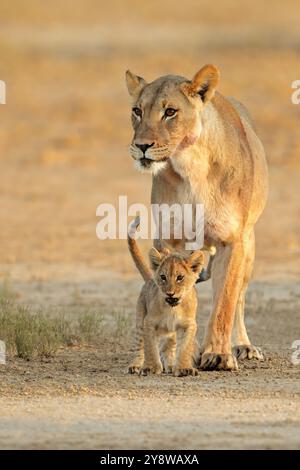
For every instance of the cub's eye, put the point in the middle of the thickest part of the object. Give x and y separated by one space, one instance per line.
137 112
163 277
170 112
179 278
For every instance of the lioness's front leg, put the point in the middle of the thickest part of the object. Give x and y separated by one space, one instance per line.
227 278
152 362
242 347
185 351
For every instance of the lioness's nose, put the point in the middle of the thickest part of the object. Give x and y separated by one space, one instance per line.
144 147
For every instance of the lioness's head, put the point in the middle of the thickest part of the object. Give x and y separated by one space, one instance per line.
166 114
174 274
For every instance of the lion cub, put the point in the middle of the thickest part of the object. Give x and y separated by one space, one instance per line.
166 312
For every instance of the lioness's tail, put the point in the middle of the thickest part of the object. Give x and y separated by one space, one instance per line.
135 252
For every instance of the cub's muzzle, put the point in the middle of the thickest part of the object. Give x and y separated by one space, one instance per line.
173 301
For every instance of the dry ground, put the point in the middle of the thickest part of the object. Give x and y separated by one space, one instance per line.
63 150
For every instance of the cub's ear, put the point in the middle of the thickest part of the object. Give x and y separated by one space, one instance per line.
155 258
134 83
196 261
204 83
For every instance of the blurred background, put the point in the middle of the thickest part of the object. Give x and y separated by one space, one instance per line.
65 129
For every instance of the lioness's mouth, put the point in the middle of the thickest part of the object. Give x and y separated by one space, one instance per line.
147 162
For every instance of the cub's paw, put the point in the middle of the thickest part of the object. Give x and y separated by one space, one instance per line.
134 369
168 370
151 370
247 351
179 372
213 361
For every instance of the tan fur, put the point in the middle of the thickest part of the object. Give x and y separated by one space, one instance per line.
166 334
209 153
135 252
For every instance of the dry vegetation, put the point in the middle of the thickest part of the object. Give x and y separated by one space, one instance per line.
67 299
28 334
36 332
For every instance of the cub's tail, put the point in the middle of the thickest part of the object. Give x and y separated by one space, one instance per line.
135 252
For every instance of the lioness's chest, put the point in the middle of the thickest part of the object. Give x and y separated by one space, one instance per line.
220 221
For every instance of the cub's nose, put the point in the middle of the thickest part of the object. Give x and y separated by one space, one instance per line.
144 147
170 294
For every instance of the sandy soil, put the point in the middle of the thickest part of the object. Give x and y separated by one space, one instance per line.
61 156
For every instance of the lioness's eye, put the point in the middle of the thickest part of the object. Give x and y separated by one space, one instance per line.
179 278
137 111
170 112
163 277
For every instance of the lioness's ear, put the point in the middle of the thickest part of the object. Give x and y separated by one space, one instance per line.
155 258
204 83
196 261
134 83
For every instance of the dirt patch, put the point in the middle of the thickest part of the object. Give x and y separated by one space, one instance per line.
83 398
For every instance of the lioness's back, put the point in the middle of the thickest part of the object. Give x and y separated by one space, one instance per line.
242 111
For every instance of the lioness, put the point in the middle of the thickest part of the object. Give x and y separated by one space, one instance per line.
203 148
166 312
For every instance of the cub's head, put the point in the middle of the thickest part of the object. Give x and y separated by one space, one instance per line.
166 115
174 274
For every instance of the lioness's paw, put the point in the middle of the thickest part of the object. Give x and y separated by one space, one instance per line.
134 369
213 361
178 372
247 351
151 370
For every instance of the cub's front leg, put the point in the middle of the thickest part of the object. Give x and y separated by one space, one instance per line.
152 362
184 364
168 353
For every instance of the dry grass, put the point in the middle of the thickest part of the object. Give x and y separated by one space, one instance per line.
28 333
